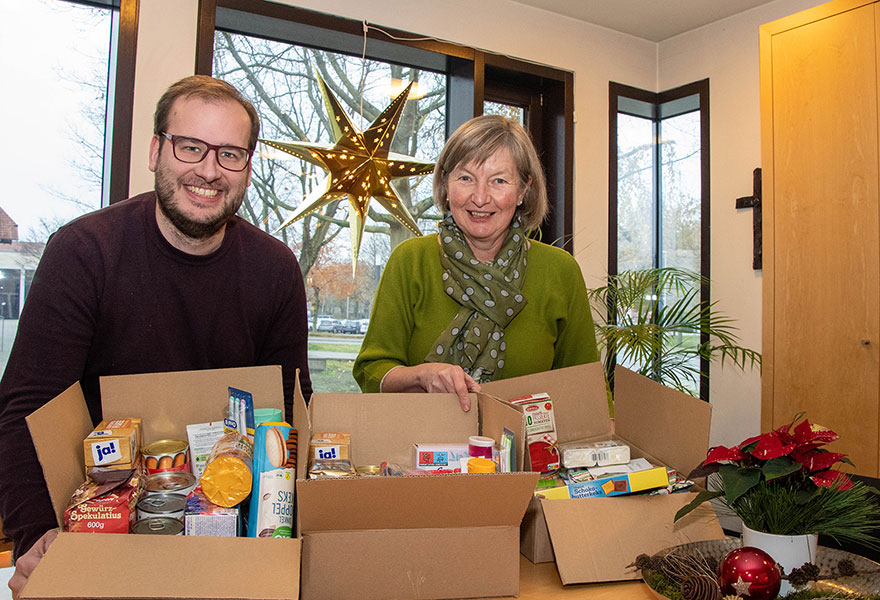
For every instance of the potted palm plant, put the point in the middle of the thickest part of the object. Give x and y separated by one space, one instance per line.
650 321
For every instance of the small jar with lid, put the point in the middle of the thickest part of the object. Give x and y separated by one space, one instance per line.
480 446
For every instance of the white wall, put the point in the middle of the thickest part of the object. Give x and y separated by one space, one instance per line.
165 53
726 52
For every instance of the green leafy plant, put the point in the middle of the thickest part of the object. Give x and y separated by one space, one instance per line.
650 320
782 482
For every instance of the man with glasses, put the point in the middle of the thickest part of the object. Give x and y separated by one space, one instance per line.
169 280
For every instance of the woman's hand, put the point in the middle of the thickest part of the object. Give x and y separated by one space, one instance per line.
432 377
27 562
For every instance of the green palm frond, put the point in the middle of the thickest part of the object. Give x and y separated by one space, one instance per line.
653 318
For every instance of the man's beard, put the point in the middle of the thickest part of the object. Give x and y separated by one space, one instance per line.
167 186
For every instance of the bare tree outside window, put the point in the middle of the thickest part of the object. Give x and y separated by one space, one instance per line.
281 80
55 121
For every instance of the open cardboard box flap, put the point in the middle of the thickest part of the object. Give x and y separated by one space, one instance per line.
433 501
106 565
677 432
595 539
79 565
580 404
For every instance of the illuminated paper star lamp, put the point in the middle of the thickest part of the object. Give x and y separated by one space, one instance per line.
361 167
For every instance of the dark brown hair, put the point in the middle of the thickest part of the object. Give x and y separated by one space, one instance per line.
208 89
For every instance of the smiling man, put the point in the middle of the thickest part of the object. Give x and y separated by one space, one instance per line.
169 280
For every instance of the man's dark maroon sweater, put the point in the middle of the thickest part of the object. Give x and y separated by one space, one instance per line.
111 296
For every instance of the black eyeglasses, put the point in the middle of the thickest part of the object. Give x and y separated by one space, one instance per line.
193 150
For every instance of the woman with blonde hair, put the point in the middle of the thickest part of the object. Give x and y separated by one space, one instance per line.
479 301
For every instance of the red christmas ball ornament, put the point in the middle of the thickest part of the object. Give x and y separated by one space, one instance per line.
749 573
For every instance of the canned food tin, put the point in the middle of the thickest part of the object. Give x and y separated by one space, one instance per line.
166 455
158 526
162 505
170 482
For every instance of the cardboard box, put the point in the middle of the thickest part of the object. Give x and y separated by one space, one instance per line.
116 564
595 539
430 536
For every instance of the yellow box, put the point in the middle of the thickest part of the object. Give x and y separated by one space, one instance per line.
114 444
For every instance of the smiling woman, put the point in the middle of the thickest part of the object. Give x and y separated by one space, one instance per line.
479 301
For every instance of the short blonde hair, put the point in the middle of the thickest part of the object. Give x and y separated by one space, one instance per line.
476 141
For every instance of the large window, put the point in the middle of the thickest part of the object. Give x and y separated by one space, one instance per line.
275 54
57 59
659 200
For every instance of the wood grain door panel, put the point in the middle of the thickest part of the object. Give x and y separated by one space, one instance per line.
826 233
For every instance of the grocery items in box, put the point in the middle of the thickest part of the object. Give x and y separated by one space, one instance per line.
590 454
202 437
170 482
228 475
611 485
203 517
158 526
266 415
113 444
540 431
439 457
271 505
480 446
166 455
240 416
105 507
161 505
330 455
271 511
478 464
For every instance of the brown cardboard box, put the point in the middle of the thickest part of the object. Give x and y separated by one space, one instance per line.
94 565
595 539
432 536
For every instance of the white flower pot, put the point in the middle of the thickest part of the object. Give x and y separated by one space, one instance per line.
789 551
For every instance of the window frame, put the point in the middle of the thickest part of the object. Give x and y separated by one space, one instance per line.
658 100
471 72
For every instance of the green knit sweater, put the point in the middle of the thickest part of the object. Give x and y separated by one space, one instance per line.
411 309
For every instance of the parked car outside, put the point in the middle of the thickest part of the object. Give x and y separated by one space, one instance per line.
348 326
364 325
327 324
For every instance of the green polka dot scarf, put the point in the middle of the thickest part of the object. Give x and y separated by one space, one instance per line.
490 297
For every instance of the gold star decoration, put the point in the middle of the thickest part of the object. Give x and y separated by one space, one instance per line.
742 587
361 166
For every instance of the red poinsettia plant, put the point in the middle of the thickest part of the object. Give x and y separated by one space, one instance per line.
784 482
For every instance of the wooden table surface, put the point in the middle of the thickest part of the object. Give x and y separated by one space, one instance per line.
541 581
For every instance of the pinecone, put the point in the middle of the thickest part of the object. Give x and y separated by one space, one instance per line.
700 587
803 575
846 568
644 562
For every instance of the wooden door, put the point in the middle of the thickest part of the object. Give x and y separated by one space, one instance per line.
822 251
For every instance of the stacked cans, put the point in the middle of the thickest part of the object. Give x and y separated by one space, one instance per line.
161 508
